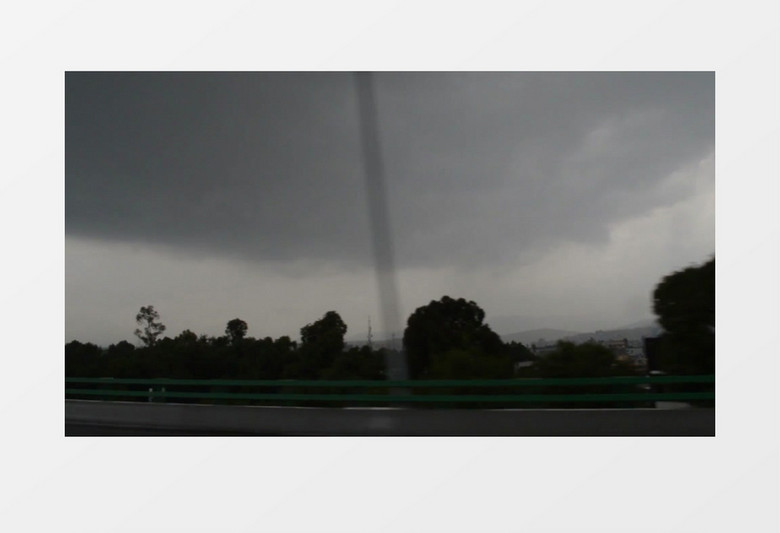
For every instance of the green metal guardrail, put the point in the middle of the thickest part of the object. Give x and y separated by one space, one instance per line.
493 392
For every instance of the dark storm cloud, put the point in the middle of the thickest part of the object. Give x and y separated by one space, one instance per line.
497 163
262 165
480 166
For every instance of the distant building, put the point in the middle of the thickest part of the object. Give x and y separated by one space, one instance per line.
523 364
618 346
628 351
542 349
636 351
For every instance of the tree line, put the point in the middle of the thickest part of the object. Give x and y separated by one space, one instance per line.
445 339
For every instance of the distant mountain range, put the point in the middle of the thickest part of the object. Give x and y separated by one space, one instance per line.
538 336
546 336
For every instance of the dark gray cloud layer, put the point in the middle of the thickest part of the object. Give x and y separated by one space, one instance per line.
480 166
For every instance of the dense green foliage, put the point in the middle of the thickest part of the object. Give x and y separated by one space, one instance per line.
233 356
586 360
236 330
685 304
455 344
447 338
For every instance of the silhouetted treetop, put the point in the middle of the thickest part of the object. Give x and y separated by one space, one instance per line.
151 327
685 301
685 304
236 330
326 333
447 325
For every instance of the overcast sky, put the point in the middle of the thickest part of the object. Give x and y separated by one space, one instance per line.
551 199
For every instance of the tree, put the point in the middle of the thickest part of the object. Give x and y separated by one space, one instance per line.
326 333
152 328
121 348
321 343
454 327
82 360
357 363
236 330
457 363
518 352
685 304
186 338
589 359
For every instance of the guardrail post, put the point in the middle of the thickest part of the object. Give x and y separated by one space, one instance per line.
656 387
159 397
